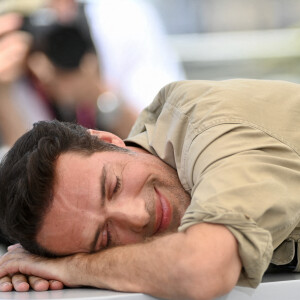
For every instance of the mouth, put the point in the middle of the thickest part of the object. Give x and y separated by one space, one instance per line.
163 213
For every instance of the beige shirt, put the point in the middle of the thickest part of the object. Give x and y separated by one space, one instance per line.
235 145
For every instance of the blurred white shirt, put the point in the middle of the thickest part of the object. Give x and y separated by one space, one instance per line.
135 58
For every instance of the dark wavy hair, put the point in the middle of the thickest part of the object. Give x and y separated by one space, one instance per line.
27 175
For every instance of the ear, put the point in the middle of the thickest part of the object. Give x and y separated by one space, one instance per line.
108 137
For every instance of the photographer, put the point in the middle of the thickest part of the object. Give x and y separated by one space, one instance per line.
134 63
52 71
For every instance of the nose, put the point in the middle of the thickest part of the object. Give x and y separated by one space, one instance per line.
129 214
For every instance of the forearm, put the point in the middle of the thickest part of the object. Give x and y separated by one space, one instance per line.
172 266
11 123
133 268
201 263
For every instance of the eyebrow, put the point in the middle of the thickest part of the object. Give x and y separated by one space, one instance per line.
103 184
102 200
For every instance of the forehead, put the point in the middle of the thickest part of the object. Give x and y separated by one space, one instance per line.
75 207
78 175
71 164
75 174
77 185
76 162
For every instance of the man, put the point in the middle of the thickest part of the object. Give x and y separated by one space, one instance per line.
235 151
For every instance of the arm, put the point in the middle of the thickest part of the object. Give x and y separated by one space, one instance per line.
14 46
201 263
11 125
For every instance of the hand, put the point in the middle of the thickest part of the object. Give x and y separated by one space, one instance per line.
21 282
14 46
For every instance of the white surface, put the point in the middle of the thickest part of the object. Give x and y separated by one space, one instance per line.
274 286
82 294
268 54
242 45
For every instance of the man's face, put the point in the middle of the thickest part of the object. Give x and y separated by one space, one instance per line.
110 198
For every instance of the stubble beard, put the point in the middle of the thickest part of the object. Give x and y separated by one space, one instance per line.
178 197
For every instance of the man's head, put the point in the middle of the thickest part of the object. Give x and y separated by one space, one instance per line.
66 190
27 175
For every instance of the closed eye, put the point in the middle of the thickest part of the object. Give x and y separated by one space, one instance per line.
118 185
108 237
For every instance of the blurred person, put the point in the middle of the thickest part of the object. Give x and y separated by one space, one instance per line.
28 95
64 79
135 63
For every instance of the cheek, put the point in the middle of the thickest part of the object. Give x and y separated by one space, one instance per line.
133 176
125 237
80 236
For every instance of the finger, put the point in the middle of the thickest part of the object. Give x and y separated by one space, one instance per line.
15 42
12 261
38 284
10 22
20 283
56 285
14 246
16 37
5 284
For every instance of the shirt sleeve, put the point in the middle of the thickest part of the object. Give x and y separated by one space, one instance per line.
248 181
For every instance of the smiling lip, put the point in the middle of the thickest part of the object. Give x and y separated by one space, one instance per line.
163 213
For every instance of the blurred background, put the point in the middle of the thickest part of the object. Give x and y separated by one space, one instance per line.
221 39
100 62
